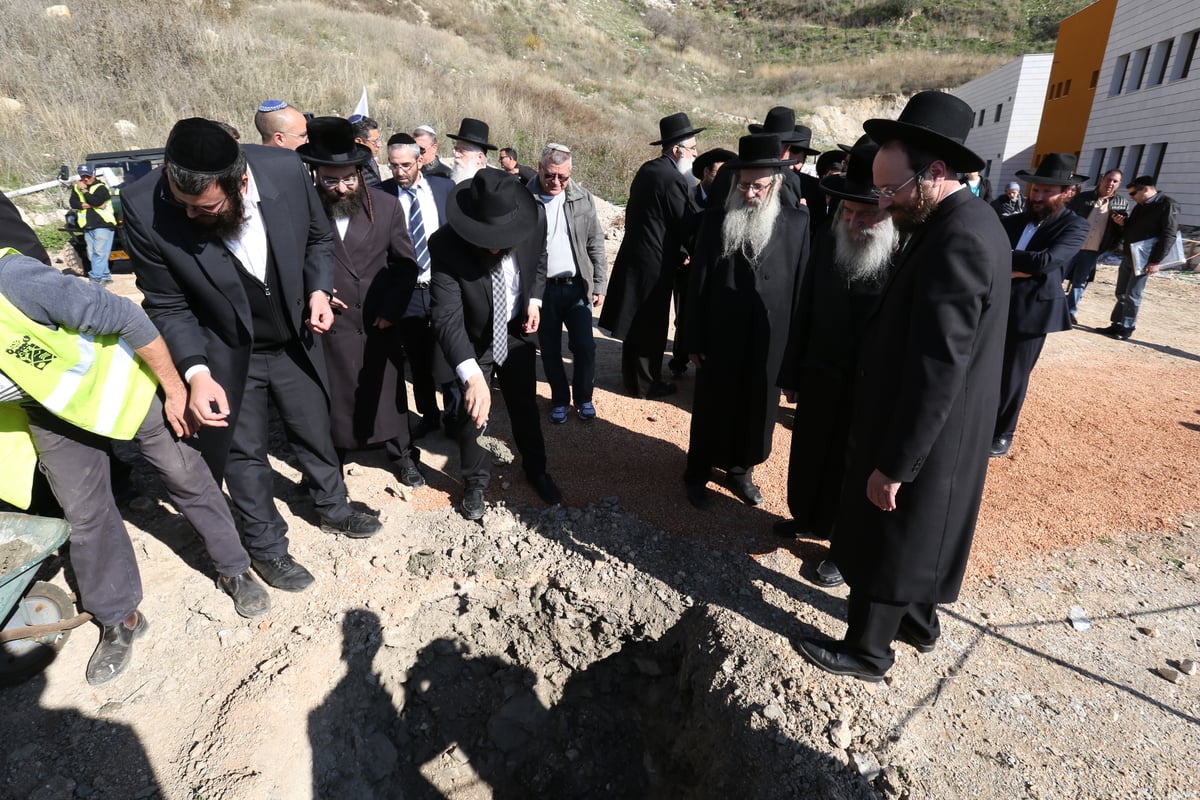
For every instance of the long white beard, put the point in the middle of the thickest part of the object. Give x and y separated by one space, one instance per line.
865 259
747 229
463 172
684 165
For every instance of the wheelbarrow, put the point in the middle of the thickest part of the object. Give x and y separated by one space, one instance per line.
35 620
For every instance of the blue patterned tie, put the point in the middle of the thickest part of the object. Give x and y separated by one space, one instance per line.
499 315
416 232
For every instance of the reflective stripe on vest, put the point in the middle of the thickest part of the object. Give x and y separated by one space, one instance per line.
104 212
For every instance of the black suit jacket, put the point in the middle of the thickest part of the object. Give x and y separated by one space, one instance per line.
462 290
16 234
1038 305
194 293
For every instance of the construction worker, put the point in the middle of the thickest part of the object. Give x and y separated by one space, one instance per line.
92 199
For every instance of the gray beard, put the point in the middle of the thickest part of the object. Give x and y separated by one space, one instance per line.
684 165
746 229
865 261
461 172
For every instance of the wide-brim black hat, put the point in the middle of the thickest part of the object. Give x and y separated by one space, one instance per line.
718 155
858 182
780 121
492 210
802 140
934 121
675 128
331 144
1056 169
473 131
760 151
201 146
826 160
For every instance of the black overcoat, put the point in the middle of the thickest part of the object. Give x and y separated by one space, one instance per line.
927 390
1038 305
372 265
194 293
739 318
657 221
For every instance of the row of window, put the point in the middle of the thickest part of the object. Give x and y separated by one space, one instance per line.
983 115
1148 66
1133 160
1063 88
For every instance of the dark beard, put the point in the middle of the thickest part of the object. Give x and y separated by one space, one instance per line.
911 217
342 207
227 225
1048 208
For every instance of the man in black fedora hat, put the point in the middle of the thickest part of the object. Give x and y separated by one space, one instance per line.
844 280
638 307
704 170
743 293
374 271
925 394
471 147
489 275
1044 240
233 254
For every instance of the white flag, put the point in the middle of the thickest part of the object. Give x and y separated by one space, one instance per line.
360 110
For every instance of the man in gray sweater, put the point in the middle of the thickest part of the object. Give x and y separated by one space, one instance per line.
47 317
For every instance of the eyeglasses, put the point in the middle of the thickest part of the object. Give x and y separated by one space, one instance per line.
1134 192
401 167
303 136
890 193
548 177
332 183
758 187
210 210
687 148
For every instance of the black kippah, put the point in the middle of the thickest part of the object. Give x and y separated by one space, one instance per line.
201 145
400 138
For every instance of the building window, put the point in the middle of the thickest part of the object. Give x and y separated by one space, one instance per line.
1162 57
1098 162
1118 79
1187 54
1114 158
999 107
1067 87
982 111
1095 79
1155 154
1133 161
1137 69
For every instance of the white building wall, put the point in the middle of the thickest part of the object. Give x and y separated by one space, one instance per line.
1130 124
1018 89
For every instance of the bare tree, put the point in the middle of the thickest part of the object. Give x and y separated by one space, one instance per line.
658 21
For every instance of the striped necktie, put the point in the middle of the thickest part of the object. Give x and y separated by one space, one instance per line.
499 315
416 232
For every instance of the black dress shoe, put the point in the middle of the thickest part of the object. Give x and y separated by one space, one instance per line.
409 474
1124 333
426 426
821 653
113 652
546 489
828 574
660 389
745 491
249 598
1000 447
355 525
1111 330
472 503
921 644
786 529
283 573
697 496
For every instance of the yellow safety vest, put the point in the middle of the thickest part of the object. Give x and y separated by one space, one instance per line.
105 211
96 383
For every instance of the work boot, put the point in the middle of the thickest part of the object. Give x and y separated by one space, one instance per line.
115 649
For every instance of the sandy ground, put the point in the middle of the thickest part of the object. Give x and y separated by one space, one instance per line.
1095 506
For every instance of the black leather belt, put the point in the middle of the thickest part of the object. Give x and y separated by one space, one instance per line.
563 281
422 284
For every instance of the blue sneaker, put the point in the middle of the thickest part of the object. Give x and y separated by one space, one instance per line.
558 415
587 412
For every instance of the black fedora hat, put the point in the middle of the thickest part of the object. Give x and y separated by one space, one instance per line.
858 182
934 121
718 155
802 139
830 159
759 150
473 131
331 144
675 128
1056 169
492 210
780 121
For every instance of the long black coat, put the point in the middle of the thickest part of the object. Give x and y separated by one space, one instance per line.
738 319
372 265
1038 305
193 290
656 230
927 390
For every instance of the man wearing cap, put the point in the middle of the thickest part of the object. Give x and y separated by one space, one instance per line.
234 255
280 125
489 275
366 133
1044 240
842 285
93 202
423 199
638 307
1154 219
1101 207
373 265
743 295
470 149
576 277
427 140
925 395
1011 203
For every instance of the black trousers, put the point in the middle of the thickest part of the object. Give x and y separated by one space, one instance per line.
872 626
1020 356
518 384
304 409
645 343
